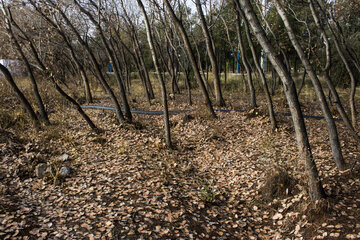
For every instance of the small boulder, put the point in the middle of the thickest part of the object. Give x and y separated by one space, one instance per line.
64 171
64 157
41 170
187 118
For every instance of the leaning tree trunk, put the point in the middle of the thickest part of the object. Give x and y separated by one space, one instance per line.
23 99
246 64
9 21
333 134
347 66
190 52
76 104
57 87
160 76
316 189
326 70
111 57
211 52
259 69
101 77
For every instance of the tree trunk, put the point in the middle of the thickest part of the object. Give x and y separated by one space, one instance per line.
326 71
246 64
23 99
9 21
316 189
191 56
188 85
333 134
347 66
160 76
259 69
101 77
112 58
77 105
214 65
302 83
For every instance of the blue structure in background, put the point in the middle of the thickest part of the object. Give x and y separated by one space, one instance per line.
111 67
237 64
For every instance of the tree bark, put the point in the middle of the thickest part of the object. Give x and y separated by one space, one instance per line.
23 99
214 65
316 189
160 76
190 52
259 69
333 134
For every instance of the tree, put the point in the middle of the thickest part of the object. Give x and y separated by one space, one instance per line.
333 135
190 52
9 20
316 189
23 100
211 52
160 76
258 67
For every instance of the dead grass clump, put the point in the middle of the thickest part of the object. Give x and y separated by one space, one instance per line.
6 119
278 184
203 113
255 112
16 119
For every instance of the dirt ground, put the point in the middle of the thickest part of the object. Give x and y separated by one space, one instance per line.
225 178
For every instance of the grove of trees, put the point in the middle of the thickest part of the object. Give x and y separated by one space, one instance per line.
195 44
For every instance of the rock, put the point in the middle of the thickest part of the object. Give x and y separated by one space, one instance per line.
187 118
64 171
2 175
41 170
277 216
64 157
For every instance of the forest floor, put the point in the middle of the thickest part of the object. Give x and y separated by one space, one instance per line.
225 178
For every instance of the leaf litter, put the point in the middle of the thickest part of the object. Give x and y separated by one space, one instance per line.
126 185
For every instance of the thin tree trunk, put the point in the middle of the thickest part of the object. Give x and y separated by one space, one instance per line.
259 69
316 189
160 76
246 63
333 134
112 58
347 66
302 83
23 99
9 21
190 52
211 52
326 71
188 85
101 77
77 105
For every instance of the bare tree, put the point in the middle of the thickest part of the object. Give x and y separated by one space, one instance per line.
258 67
191 55
326 71
23 100
211 53
93 59
160 76
333 135
9 21
316 189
